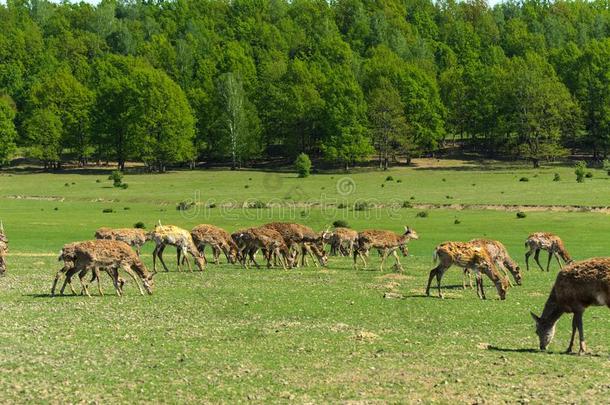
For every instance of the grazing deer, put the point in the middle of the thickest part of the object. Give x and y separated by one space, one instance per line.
108 255
303 240
470 256
386 242
271 242
164 235
218 239
134 237
498 253
577 286
342 241
3 249
551 243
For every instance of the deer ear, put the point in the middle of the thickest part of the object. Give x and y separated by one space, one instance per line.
535 317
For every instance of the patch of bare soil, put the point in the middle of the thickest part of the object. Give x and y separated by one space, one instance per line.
366 336
35 197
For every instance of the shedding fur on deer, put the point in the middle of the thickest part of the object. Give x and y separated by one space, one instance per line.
498 253
303 240
386 242
134 237
342 241
546 241
97 255
164 235
218 239
578 286
470 256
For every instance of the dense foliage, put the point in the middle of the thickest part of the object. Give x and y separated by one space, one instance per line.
170 82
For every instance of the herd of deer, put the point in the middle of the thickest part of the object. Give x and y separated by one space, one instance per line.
578 285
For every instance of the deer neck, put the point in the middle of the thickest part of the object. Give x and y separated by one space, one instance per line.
552 310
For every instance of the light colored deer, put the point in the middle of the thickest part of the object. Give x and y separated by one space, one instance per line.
134 237
107 255
498 253
342 241
470 256
218 239
546 241
577 286
387 242
303 240
164 235
3 249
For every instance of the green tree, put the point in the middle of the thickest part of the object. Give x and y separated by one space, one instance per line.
303 165
44 131
8 134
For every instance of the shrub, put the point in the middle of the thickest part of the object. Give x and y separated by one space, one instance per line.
422 214
580 170
303 165
341 223
399 181
212 205
67 184
389 178
444 179
589 175
407 204
361 206
116 177
108 210
98 181
126 208
124 186
457 221
382 185
55 209
139 225
257 204
556 177
524 179
449 197
521 214
342 206
246 186
184 206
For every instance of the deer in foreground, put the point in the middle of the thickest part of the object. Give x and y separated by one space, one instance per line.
3 249
546 241
386 242
107 255
134 237
498 253
342 241
164 235
577 286
269 241
303 240
470 256
218 239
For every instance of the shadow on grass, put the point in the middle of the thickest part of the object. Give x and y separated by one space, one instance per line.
510 350
48 295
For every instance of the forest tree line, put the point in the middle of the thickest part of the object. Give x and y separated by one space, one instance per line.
174 82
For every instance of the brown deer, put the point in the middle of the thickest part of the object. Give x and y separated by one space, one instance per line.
303 240
498 253
218 239
342 241
108 255
470 256
387 242
3 249
164 235
577 286
551 243
271 242
134 237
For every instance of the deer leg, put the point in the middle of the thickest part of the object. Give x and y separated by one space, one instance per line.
527 259
581 333
383 257
61 271
398 265
464 274
82 275
548 263
216 253
310 253
574 327
96 274
160 254
178 252
480 286
185 252
129 271
537 259
68 281
558 261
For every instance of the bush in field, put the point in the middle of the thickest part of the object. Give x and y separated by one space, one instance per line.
581 169
524 179
139 225
341 223
557 177
422 214
589 175
117 178
303 165
361 206
108 210
521 214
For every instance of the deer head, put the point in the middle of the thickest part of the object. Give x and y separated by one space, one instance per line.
545 331
410 233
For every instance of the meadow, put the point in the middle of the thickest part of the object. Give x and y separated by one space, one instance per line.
309 334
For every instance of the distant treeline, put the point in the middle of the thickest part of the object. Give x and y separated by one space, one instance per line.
173 82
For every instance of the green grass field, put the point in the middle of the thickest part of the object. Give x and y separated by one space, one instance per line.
305 335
